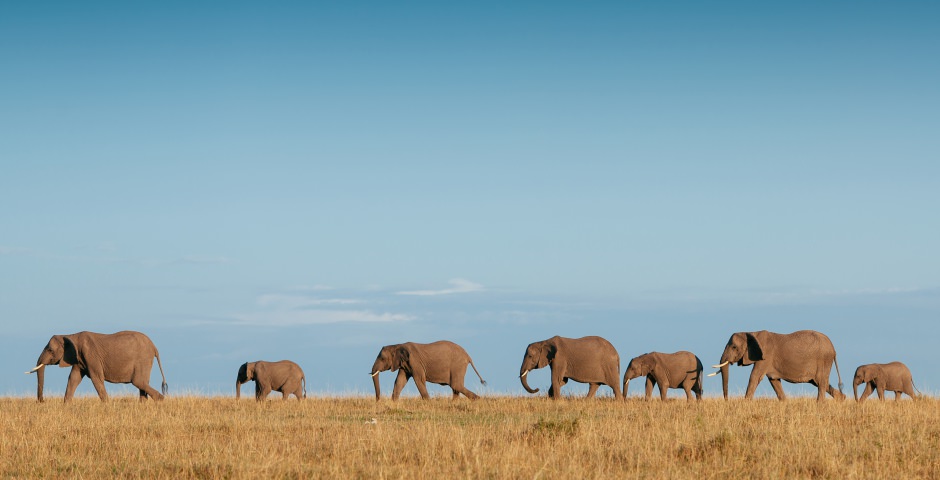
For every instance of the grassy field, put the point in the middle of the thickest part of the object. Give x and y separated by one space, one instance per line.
501 437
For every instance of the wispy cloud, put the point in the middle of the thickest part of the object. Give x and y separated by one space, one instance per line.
312 317
204 260
287 302
458 285
4 250
281 309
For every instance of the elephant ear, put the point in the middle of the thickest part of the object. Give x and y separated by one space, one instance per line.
70 352
754 351
547 354
401 359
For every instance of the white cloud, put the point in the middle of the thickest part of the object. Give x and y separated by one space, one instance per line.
287 302
458 285
204 260
14 251
312 317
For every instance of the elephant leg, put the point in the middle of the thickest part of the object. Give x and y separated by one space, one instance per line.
688 391
821 390
75 377
592 389
778 388
897 395
752 382
650 383
662 391
98 382
466 392
146 390
422 388
558 379
400 382
881 392
865 393
284 395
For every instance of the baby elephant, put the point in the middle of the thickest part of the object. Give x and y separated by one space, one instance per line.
894 376
670 370
284 376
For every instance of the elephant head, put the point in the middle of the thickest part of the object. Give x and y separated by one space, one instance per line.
743 348
61 350
246 373
639 366
390 357
863 375
537 355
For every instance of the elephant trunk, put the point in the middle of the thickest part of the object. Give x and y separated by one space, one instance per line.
724 380
626 384
238 390
378 389
855 384
40 381
525 383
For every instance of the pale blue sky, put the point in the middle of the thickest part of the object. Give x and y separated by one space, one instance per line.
249 182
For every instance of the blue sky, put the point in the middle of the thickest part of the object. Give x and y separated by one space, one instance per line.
312 182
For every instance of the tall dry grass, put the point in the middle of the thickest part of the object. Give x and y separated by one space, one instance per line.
491 438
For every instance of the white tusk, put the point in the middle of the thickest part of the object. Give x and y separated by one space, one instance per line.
37 367
524 374
374 374
712 374
721 365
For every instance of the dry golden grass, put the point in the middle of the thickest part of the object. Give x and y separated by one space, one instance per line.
501 437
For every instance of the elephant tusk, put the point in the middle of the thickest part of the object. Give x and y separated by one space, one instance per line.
374 374
37 367
524 374
712 374
721 365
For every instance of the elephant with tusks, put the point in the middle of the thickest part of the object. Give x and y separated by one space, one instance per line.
806 356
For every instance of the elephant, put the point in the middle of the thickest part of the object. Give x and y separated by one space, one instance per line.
805 356
122 357
894 377
284 376
441 362
591 360
669 370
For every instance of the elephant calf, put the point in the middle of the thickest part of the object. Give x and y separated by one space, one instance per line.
894 377
285 376
669 370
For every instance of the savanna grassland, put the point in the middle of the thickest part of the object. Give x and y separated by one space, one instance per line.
503 437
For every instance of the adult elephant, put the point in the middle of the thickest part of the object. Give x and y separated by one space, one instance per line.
894 377
591 360
668 370
441 362
284 376
805 356
122 357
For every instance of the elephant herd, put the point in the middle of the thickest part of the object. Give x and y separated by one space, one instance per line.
805 356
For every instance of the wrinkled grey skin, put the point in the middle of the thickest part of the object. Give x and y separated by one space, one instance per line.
122 357
591 360
894 377
284 376
805 356
441 362
668 370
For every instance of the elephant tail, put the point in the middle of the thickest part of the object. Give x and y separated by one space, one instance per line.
919 393
163 387
303 380
478 373
835 361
